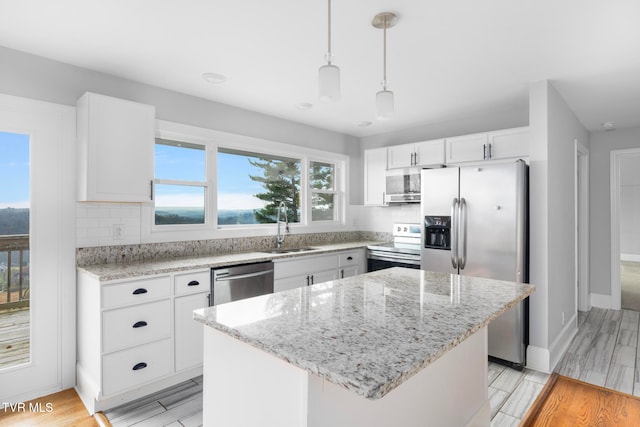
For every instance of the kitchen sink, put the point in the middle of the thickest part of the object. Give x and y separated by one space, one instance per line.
286 250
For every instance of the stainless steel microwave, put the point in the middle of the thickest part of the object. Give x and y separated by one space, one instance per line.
402 186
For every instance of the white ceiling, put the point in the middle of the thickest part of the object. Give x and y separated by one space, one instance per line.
446 59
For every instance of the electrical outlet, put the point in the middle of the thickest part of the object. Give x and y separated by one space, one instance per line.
118 231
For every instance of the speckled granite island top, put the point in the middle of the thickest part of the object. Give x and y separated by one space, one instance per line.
371 332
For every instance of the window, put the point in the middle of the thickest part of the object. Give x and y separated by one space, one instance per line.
323 191
252 185
180 186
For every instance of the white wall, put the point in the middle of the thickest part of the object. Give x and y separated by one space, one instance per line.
554 129
600 229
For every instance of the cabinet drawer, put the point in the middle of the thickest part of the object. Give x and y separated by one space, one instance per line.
136 291
130 368
349 258
126 327
192 283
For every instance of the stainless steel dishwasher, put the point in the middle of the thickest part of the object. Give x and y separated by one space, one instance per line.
241 281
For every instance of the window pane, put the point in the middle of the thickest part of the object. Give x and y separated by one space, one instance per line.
251 186
179 204
322 207
15 290
179 161
321 176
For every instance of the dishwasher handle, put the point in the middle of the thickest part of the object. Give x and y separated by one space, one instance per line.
225 275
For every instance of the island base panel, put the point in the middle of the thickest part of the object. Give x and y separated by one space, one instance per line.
246 386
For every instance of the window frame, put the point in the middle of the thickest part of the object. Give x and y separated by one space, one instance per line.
212 140
337 202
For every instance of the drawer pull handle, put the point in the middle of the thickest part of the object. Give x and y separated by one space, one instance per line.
193 283
140 324
139 366
140 291
349 258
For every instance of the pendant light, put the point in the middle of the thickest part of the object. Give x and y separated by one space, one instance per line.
384 98
329 75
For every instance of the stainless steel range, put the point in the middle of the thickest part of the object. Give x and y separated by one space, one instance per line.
404 251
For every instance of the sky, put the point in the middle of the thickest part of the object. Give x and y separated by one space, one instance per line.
14 170
235 189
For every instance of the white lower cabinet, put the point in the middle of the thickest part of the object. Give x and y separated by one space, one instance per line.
188 333
308 270
136 366
136 337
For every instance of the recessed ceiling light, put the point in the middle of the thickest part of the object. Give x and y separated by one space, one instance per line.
214 78
608 126
363 123
303 106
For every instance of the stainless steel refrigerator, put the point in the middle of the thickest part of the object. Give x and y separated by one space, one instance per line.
475 223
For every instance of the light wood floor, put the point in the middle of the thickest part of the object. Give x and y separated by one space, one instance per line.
569 402
62 409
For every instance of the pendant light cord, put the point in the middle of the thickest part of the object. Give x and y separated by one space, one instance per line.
384 55
329 32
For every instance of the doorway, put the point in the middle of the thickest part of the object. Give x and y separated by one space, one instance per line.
39 257
625 229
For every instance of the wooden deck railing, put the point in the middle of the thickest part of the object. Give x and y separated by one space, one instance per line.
14 269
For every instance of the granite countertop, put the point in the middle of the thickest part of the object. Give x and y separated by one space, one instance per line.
116 271
371 332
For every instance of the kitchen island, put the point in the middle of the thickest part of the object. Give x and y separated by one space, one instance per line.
395 347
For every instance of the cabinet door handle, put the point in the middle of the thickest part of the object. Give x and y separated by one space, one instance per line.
140 324
342 273
484 151
193 283
312 279
151 190
139 366
490 153
308 281
349 258
140 291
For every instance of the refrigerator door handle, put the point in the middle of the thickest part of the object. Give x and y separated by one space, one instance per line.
463 233
454 233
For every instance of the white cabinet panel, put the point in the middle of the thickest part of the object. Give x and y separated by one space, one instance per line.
430 153
466 148
138 365
509 143
323 276
188 332
287 283
137 324
401 156
115 149
375 166
425 153
497 145
193 282
135 291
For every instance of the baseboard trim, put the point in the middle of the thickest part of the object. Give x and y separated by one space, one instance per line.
538 358
601 301
562 342
630 257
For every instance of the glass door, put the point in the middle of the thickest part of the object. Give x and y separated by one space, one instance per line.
37 248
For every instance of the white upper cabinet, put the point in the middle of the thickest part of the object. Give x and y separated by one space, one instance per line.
375 166
497 145
466 148
115 149
425 153
509 143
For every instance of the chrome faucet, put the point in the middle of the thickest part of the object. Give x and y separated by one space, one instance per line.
280 236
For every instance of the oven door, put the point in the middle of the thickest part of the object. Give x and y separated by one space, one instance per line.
377 260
